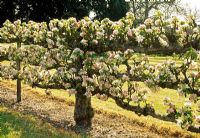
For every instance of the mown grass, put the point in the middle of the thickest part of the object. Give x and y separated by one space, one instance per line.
5 62
16 125
7 44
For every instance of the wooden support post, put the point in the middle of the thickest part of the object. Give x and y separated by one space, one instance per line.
18 79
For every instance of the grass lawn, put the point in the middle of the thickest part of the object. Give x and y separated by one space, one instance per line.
16 125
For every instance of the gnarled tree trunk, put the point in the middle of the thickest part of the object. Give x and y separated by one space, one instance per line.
83 113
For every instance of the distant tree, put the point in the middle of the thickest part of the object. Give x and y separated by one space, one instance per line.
142 9
194 12
113 9
6 10
43 10
39 10
175 8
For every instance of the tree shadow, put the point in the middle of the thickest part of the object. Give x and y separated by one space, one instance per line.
11 123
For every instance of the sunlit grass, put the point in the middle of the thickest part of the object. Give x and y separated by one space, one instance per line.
157 98
6 44
5 62
16 125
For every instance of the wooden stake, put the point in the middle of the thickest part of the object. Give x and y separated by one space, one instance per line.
18 80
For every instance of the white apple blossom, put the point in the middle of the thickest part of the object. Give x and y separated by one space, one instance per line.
140 38
187 103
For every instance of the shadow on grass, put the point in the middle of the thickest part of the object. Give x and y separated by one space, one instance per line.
16 125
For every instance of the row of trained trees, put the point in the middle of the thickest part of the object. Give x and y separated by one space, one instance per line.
85 57
155 32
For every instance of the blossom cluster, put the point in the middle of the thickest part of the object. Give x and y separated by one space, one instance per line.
104 35
186 116
3 52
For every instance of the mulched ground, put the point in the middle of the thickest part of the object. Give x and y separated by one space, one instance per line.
60 114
